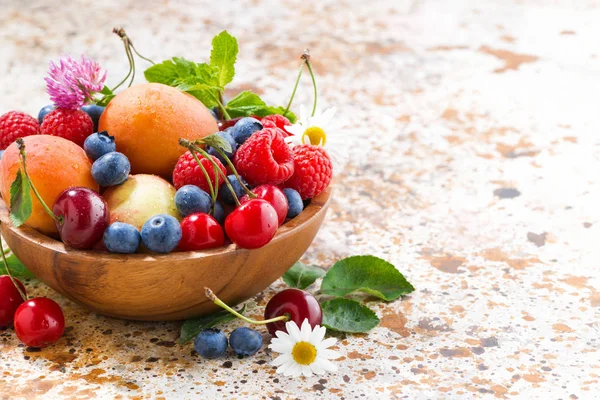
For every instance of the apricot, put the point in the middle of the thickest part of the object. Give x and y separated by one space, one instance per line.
54 164
147 121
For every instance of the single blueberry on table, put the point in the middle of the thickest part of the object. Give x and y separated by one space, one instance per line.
245 341
219 213
94 112
161 233
98 144
190 199
111 169
211 343
295 204
225 194
244 128
227 136
45 111
122 238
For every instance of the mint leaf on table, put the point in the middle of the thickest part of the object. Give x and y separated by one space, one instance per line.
301 276
192 327
17 268
223 55
20 199
368 274
345 315
215 140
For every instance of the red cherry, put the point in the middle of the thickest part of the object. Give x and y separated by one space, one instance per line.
10 300
252 225
200 231
39 322
85 217
297 304
274 196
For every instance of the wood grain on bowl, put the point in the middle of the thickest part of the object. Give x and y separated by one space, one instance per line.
155 287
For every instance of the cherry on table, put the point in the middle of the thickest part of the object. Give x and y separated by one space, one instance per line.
297 304
39 322
84 216
10 299
274 196
253 224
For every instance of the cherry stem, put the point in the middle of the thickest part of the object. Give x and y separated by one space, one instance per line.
21 147
23 295
120 32
205 172
306 58
210 294
294 91
237 176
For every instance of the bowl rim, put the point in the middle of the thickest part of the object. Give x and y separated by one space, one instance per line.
317 205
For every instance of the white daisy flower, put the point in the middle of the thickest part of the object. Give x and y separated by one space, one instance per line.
303 351
322 129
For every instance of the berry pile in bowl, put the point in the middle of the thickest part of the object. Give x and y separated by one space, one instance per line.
130 200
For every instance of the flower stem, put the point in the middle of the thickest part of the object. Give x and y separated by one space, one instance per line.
306 57
237 176
294 91
21 147
209 293
23 295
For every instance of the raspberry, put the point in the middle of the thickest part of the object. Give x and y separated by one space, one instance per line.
312 171
188 172
74 125
276 121
265 158
14 125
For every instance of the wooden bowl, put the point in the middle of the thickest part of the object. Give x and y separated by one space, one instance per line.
153 287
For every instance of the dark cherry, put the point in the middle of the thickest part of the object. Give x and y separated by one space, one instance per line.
85 217
252 225
39 322
297 304
200 231
227 123
10 300
274 196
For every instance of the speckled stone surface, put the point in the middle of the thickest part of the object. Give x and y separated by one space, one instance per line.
472 135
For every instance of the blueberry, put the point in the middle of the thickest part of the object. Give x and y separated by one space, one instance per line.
111 169
191 199
123 238
225 194
211 343
295 204
94 112
98 144
245 341
219 213
213 112
227 136
161 233
244 128
45 111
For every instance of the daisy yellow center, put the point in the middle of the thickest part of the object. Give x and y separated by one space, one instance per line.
315 135
304 353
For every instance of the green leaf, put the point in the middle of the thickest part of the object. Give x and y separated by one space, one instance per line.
222 56
345 315
20 199
165 73
108 96
215 140
247 103
192 327
270 110
106 90
17 268
301 276
367 274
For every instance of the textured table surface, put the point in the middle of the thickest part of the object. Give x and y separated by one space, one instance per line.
472 134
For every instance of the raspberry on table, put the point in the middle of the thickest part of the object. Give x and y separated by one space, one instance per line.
188 172
14 125
265 158
312 171
74 125
276 121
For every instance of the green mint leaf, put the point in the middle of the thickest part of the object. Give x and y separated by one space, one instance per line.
216 140
368 274
106 91
345 315
270 110
222 56
244 104
20 199
164 73
301 276
17 268
192 327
